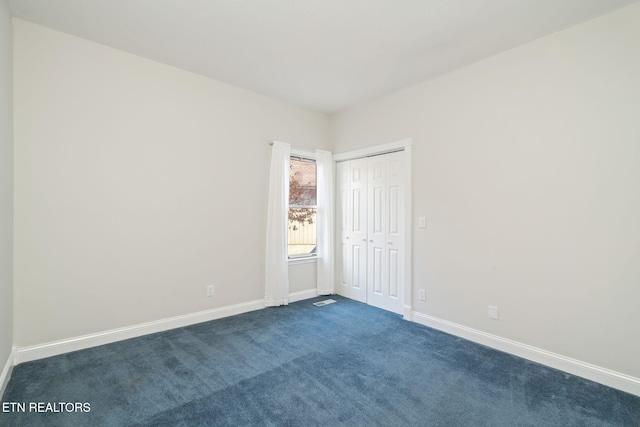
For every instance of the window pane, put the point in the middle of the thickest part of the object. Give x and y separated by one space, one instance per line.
302 231
302 182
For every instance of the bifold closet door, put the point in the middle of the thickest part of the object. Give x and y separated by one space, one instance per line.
369 213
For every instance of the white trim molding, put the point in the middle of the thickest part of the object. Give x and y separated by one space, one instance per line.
576 367
302 295
40 351
373 151
5 375
303 260
408 231
406 312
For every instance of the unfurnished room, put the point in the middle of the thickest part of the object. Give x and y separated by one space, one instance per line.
320 212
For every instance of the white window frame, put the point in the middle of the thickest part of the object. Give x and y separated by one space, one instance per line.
297 153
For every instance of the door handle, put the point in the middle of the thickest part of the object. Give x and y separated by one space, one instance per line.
389 243
364 240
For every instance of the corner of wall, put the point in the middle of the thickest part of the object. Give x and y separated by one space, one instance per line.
5 375
6 194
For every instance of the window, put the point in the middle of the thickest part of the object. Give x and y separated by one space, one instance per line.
302 207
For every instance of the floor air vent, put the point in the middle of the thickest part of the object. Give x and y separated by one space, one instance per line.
325 302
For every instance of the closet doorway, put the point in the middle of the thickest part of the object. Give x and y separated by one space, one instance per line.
371 242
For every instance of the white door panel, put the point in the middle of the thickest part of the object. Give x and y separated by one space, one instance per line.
343 257
352 215
358 229
376 219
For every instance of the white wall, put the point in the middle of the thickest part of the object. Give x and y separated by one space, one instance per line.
526 166
302 276
6 188
136 185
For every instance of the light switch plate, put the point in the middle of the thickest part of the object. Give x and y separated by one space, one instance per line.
493 312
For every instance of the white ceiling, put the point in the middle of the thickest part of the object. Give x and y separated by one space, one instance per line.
323 54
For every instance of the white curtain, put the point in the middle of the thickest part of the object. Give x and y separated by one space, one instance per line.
277 268
324 222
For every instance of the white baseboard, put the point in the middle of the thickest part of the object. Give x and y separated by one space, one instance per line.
26 354
6 372
40 351
302 295
591 372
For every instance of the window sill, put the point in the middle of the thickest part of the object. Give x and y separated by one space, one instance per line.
303 260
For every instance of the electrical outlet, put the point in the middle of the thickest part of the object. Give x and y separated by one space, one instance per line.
493 312
210 290
422 295
422 222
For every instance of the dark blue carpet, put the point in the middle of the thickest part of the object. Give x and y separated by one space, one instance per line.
342 364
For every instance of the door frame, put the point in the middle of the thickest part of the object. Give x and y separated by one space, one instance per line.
401 145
